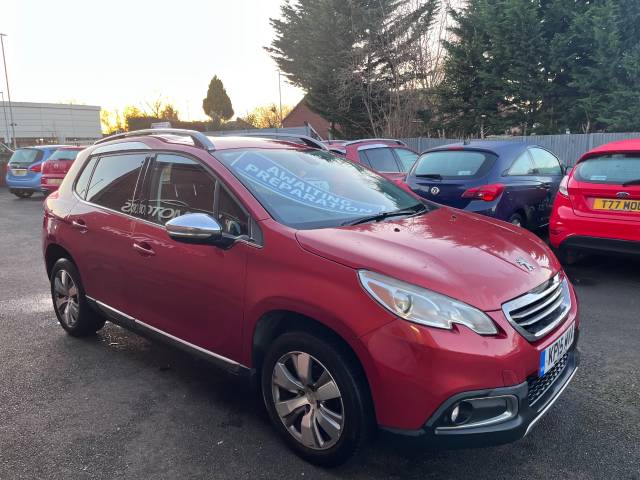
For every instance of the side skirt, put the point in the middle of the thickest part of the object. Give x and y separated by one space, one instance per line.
147 331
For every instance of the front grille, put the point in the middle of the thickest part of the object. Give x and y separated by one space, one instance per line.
539 385
538 312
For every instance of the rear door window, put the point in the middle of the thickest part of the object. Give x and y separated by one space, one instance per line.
455 164
545 162
407 158
114 180
615 169
381 159
522 165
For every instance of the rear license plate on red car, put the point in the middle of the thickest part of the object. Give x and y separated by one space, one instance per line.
554 352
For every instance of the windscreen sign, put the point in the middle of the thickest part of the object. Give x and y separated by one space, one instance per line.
307 191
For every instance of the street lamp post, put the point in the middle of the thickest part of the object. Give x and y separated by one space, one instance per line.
4 111
6 77
280 95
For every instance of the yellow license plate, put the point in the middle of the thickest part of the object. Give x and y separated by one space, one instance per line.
616 205
54 181
19 172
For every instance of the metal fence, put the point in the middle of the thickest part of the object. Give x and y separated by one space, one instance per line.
567 147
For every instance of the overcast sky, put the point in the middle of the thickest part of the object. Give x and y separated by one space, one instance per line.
123 52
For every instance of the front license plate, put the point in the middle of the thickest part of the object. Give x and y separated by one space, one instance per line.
19 172
554 352
616 205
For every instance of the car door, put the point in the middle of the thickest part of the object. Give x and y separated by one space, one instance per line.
100 225
524 191
189 291
549 173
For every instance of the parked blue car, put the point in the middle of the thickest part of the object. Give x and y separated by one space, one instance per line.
511 181
24 169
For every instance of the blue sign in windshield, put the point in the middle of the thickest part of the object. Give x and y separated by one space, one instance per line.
312 188
308 191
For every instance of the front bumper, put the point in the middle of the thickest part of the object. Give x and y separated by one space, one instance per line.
526 414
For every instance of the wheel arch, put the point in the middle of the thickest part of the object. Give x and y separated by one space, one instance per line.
274 323
53 253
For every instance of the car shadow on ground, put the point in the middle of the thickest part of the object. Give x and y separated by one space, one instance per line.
239 416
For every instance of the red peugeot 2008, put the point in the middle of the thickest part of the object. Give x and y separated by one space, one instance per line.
351 302
598 204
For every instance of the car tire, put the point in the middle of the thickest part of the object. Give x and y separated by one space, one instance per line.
316 398
70 303
517 220
23 194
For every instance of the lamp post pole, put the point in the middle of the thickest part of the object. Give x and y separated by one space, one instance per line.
4 111
280 95
6 77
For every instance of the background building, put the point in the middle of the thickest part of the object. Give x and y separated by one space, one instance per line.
42 123
303 115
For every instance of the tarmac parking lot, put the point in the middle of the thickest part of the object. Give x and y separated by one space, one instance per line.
119 406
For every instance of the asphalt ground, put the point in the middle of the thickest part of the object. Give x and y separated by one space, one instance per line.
119 406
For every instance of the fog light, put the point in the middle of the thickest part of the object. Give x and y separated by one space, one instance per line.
461 413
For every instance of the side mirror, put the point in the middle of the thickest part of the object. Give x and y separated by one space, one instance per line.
198 228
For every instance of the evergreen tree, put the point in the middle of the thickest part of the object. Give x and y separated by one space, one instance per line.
352 58
217 104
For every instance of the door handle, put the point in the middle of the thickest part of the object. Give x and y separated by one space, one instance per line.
79 225
143 248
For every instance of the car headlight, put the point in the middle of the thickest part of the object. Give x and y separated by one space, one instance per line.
419 305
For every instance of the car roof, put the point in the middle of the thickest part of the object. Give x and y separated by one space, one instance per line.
629 145
499 147
71 147
226 142
44 147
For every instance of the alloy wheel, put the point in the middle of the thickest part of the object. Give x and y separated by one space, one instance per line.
65 297
308 400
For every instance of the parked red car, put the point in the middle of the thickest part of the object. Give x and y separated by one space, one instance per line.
598 204
352 303
56 167
391 158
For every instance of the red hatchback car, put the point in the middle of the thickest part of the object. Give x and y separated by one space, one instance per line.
391 158
350 302
598 204
56 167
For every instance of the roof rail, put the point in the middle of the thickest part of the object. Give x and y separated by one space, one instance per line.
199 138
394 140
304 139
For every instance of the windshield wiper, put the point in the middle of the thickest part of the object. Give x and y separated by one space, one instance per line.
631 182
435 176
416 209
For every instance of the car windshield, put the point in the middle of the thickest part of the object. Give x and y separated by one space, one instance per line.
614 169
64 155
308 189
454 164
23 157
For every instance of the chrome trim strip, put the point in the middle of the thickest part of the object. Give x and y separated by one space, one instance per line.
550 404
556 303
508 414
168 335
560 282
534 309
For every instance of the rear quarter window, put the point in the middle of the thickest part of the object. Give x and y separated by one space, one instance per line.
455 164
613 169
